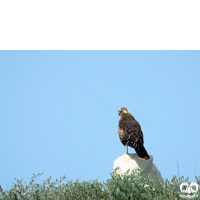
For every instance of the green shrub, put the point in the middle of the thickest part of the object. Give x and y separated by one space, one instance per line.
126 187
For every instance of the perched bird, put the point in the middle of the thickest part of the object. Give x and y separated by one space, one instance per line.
130 133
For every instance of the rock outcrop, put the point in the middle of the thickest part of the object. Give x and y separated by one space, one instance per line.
132 162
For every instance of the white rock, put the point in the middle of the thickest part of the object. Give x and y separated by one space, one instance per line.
132 162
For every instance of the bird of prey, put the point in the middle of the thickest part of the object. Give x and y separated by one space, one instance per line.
130 133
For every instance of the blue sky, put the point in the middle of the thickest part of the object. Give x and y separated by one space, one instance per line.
59 111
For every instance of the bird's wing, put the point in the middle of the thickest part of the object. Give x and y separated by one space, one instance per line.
132 132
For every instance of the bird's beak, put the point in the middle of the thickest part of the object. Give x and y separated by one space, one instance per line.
119 111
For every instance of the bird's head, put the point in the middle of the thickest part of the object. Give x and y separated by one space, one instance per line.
122 110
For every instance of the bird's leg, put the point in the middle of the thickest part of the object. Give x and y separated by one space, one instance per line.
127 150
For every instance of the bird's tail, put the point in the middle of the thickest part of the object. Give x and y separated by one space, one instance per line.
142 153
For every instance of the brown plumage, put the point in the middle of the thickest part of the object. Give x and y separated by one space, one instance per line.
130 133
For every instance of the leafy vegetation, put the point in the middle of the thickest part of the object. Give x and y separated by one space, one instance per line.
126 187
